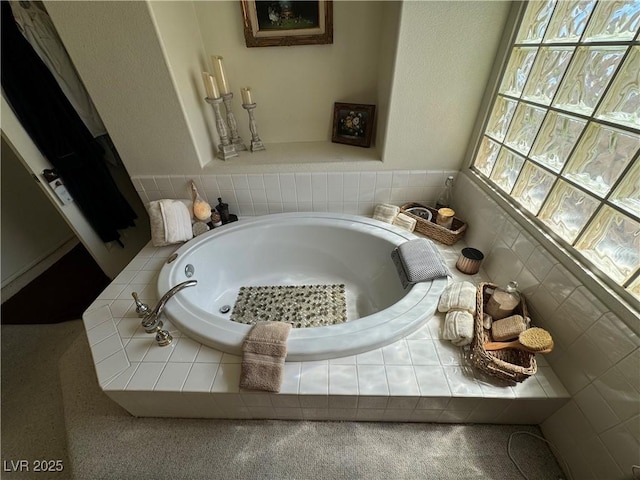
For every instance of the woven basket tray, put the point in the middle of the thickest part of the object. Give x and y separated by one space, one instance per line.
432 229
508 364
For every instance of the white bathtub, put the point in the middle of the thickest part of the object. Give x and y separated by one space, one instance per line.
299 249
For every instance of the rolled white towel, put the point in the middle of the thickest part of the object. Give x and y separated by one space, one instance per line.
405 221
386 212
170 222
458 296
458 328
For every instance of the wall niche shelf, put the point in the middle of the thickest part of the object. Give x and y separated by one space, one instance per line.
300 153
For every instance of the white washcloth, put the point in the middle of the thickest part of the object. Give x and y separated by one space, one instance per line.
458 296
458 328
386 212
170 222
405 221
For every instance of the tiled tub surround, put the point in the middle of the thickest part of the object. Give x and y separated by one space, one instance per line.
596 355
336 192
419 378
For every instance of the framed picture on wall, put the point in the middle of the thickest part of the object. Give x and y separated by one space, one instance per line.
283 23
353 123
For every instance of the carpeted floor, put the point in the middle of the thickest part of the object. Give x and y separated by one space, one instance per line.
61 293
32 414
49 385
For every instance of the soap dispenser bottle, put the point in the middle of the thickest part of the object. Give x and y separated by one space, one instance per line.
503 301
223 210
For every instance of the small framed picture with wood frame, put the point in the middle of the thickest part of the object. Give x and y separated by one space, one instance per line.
353 123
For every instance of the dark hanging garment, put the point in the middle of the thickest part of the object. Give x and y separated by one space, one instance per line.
59 133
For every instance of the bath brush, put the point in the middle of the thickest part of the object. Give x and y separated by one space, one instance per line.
533 340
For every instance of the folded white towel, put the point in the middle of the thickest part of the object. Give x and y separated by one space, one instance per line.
386 212
458 328
177 221
458 296
170 222
405 221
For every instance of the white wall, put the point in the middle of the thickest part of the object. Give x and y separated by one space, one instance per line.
133 59
389 33
116 51
596 355
31 228
295 87
445 53
181 43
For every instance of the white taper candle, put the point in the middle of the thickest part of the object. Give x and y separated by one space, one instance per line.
246 96
218 71
210 85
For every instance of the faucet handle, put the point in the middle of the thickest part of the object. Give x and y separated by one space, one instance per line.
142 309
163 338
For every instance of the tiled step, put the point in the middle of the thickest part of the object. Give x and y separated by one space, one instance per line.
420 378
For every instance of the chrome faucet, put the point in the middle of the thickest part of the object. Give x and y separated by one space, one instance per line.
151 318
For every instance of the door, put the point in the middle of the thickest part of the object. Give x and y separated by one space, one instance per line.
111 257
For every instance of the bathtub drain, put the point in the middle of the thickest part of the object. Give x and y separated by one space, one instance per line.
189 270
225 309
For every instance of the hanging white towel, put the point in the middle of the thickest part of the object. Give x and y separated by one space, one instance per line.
458 328
37 27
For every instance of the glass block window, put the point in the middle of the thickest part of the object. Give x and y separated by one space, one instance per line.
562 139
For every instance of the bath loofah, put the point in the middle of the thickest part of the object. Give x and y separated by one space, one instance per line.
201 209
532 340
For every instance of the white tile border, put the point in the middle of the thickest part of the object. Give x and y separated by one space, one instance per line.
422 378
336 192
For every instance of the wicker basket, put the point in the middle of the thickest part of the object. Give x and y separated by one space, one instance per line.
508 364
432 229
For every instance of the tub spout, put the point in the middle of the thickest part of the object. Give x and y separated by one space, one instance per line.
151 319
